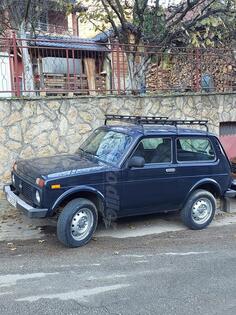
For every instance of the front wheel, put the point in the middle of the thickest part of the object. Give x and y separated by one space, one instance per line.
199 210
77 223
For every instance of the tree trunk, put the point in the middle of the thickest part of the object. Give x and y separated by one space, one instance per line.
137 68
28 76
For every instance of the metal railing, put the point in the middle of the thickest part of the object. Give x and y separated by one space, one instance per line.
67 66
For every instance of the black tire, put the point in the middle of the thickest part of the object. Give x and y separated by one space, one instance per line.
187 213
66 220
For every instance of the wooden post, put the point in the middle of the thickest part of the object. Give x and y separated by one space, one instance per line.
75 24
91 75
118 66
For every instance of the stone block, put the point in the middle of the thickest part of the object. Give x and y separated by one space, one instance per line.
229 205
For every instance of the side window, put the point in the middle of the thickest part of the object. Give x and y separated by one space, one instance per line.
194 149
154 150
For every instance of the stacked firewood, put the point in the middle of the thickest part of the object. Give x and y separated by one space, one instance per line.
157 79
190 72
181 72
215 69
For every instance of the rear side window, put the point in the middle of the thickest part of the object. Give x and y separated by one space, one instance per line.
194 149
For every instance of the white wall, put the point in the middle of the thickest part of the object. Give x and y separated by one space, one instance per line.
60 65
5 75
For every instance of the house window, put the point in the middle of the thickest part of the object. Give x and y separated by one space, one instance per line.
42 23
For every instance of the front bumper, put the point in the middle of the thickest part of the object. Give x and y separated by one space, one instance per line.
18 203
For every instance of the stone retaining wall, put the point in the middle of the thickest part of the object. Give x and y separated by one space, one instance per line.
39 127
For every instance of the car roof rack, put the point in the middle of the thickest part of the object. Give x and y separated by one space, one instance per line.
137 120
185 122
156 120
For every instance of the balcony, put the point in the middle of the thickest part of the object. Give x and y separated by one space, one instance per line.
52 29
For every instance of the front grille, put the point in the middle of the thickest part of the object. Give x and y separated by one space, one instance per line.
25 189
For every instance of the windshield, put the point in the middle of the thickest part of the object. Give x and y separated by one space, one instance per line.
107 145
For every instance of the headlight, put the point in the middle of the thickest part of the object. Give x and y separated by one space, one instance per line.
37 196
40 182
14 167
13 179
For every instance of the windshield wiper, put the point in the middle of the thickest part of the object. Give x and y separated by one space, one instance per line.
95 155
90 153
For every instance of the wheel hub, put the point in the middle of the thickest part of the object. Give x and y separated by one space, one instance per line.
81 224
201 210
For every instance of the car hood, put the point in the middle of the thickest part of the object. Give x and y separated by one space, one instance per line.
59 166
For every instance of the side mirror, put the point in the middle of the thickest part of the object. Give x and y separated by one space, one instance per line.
136 161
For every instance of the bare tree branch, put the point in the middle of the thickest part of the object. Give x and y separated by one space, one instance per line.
120 15
176 12
110 18
191 5
28 3
209 12
120 10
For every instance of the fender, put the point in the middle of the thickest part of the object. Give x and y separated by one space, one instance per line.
203 182
82 188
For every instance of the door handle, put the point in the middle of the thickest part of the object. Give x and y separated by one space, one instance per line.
170 170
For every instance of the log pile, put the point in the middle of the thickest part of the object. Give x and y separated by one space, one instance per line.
188 72
182 75
157 79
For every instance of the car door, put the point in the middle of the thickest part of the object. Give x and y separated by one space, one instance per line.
196 161
150 188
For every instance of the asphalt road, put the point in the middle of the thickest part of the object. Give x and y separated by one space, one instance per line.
184 272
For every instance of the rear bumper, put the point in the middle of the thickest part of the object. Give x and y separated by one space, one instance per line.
234 182
18 203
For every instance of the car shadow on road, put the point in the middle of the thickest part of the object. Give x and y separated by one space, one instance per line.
130 226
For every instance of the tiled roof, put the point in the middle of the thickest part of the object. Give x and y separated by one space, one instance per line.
68 42
103 36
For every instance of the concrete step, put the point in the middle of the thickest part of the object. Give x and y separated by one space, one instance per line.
229 205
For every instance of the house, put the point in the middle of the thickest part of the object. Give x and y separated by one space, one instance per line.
64 61
58 62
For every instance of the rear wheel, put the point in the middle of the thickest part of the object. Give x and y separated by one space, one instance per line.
77 223
199 210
